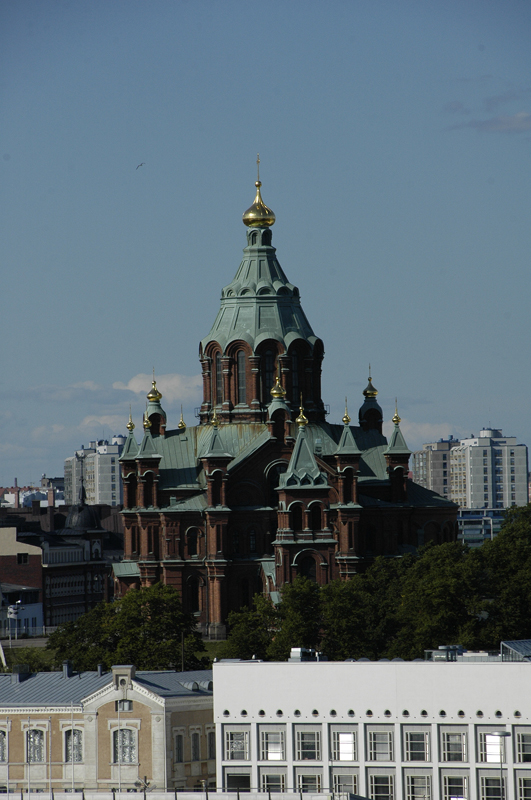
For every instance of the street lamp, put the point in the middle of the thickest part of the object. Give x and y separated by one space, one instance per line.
501 736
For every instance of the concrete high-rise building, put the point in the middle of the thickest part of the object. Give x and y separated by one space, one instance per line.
98 467
486 471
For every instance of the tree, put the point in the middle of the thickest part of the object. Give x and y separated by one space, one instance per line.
147 628
508 591
299 619
251 632
442 601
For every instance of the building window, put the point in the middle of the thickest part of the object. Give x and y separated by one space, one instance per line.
237 746
22 558
272 746
252 541
179 748
524 788
417 746
380 746
381 787
269 374
196 747
35 746
124 746
310 784
344 746
124 705
418 786
308 746
273 783
453 746
219 380
523 747
491 748
490 789
454 787
211 743
240 368
74 746
343 784
3 747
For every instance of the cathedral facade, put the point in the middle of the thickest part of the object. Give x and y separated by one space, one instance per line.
264 488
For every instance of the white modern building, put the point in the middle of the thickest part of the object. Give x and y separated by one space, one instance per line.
421 730
98 466
485 471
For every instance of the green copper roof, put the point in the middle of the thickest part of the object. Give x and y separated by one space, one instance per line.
260 303
302 470
347 445
147 448
215 446
397 443
130 451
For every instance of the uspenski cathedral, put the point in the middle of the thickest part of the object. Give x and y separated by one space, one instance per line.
264 488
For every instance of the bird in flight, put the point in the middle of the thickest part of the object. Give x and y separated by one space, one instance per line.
141 165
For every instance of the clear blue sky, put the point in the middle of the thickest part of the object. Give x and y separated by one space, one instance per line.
395 142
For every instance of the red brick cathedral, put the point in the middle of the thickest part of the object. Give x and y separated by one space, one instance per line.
264 488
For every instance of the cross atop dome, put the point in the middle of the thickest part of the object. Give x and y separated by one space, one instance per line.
258 215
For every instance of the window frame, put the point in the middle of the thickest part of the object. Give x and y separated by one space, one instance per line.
31 747
230 749
447 795
373 778
409 751
265 745
446 747
74 746
521 746
120 748
336 745
300 749
373 745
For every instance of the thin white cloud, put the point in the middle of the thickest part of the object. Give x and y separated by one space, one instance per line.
175 388
115 422
515 123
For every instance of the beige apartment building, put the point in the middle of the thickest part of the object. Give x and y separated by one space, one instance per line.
121 730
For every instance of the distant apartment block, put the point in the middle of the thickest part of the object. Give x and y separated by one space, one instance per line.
98 466
487 471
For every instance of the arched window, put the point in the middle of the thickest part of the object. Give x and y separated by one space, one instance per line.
35 746
347 486
307 568
296 517
192 542
216 489
124 746
252 541
295 377
269 375
235 541
316 517
3 747
131 491
148 490
219 381
240 369
74 746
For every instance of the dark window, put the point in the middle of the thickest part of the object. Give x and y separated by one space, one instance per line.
307 568
196 747
219 381
179 748
192 542
211 744
296 517
316 517
240 366
252 541
269 374
193 595
22 558
295 377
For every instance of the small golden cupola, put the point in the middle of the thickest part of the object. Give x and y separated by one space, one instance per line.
278 391
395 418
346 418
154 396
302 419
258 215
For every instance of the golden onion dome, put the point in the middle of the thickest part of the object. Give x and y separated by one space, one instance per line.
215 420
258 215
346 418
154 395
301 420
395 418
370 392
147 422
181 426
130 425
278 390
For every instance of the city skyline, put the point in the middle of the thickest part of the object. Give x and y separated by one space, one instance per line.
392 142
